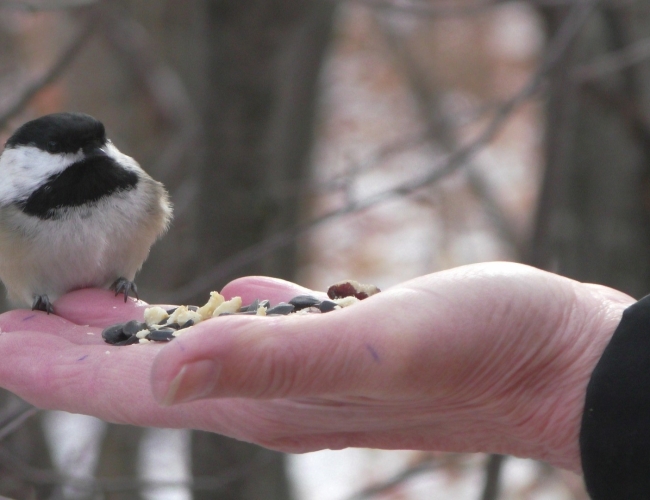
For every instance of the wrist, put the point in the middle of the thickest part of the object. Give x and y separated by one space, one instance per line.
534 410
614 435
594 317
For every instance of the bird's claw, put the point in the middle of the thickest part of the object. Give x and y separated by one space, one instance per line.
128 288
42 303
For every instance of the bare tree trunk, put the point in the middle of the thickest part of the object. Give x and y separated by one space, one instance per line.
263 63
593 219
24 454
118 458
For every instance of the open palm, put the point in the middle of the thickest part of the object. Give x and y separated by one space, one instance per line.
488 357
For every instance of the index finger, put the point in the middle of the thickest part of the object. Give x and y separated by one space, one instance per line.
275 290
101 308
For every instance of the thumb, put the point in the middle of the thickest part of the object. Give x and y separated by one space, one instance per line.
273 357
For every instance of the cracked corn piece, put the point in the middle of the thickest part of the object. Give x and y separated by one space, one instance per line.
216 299
229 306
154 315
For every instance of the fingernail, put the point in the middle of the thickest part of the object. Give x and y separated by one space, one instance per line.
195 380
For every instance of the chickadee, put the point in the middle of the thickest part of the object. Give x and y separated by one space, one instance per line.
74 211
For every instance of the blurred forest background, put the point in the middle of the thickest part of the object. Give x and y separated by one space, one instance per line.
318 140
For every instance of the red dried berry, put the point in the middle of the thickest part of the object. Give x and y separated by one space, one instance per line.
351 288
341 290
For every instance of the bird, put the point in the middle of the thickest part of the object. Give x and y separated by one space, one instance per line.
75 212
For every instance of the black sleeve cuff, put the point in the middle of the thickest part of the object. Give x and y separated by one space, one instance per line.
615 431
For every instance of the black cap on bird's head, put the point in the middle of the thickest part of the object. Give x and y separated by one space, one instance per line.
60 133
46 183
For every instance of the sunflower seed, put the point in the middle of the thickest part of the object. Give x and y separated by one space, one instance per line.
114 334
163 335
131 340
304 301
251 307
281 308
327 306
127 333
133 327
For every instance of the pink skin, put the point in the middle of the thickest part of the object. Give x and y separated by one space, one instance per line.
488 357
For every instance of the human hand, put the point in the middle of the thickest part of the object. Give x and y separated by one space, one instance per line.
489 357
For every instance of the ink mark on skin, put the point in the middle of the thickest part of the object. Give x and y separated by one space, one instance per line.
31 316
82 357
372 352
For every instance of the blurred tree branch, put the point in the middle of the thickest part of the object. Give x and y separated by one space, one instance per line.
421 467
441 132
557 48
63 61
22 438
612 62
170 98
14 418
435 9
592 216
376 159
34 5
49 477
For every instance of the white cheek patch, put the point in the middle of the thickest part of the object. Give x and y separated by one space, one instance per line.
123 160
25 168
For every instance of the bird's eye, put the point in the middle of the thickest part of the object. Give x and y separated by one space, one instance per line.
52 146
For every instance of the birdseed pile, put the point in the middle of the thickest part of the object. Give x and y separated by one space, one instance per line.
163 325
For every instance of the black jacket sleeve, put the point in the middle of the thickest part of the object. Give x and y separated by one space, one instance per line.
615 431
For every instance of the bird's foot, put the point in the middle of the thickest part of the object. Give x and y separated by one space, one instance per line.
42 303
128 288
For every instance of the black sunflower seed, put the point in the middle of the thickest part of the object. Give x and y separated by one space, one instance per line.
131 340
251 307
173 326
326 306
133 327
243 313
171 311
114 334
164 335
281 308
304 301
187 324
193 308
